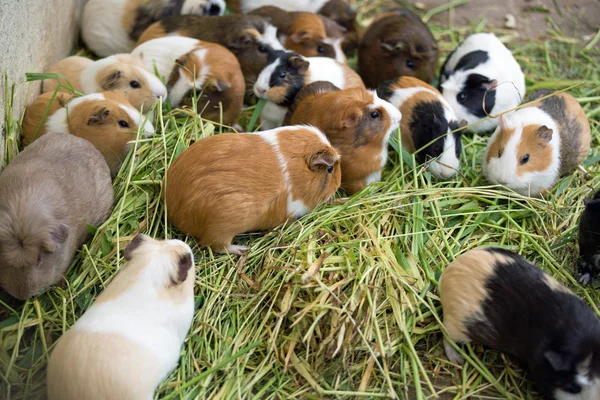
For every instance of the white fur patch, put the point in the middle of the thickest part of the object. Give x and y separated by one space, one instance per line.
590 390
163 52
147 127
262 82
340 56
326 69
395 118
272 116
184 84
288 5
157 88
374 177
269 37
101 27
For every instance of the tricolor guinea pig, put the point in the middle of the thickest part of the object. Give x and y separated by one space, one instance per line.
49 194
250 37
357 123
114 26
480 78
107 120
589 240
536 145
229 184
130 339
194 68
497 298
287 72
428 124
123 72
397 44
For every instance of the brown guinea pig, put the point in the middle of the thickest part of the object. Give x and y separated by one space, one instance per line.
357 123
343 14
228 184
397 44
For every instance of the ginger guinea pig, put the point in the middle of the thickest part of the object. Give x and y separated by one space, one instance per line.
229 184
123 72
536 145
398 44
357 123
194 68
497 298
107 120
130 339
482 69
114 26
49 194
589 240
429 126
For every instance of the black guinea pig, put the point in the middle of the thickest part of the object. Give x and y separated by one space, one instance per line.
589 240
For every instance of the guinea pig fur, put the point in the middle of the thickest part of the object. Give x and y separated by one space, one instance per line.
228 184
357 123
399 44
107 120
537 144
497 298
589 240
124 72
428 124
482 67
246 6
49 194
130 339
114 26
194 68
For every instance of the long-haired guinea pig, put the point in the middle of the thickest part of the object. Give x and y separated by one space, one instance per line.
123 72
287 73
497 298
589 240
194 68
250 37
428 124
107 120
536 145
49 194
357 123
114 26
130 339
229 184
398 44
480 78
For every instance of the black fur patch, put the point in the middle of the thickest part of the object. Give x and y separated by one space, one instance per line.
147 15
385 91
428 123
471 60
589 238
474 92
294 78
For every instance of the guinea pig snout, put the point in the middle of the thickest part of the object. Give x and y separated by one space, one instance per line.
213 8
259 91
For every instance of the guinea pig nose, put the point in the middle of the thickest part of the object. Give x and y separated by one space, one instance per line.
261 91
214 9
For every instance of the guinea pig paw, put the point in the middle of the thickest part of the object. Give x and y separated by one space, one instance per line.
451 353
584 278
237 250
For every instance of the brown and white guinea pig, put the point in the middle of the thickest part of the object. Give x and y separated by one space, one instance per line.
398 44
114 26
130 339
287 72
49 194
536 145
195 68
589 240
429 126
357 123
497 298
107 120
124 72
250 37
229 184
308 34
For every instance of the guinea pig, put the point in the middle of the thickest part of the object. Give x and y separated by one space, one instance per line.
537 144
482 69
49 194
124 72
192 67
357 123
589 240
398 44
429 125
107 120
287 73
114 26
497 298
250 37
130 339
228 184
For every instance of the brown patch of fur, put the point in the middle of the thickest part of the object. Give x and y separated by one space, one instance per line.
405 82
34 114
71 68
351 78
154 31
555 285
540 152
278 94
130 11
499 143
306 32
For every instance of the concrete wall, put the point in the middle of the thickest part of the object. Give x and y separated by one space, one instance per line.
34 34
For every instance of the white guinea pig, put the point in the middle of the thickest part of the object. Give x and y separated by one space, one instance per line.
114 26
129 340
482 67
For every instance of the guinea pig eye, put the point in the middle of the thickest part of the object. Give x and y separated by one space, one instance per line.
375 114
123 124
282 75
39 259
135 84
410 64
499 153
525 159
461 97
320 49
262 49
330 169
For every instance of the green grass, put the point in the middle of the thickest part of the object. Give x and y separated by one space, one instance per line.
344 302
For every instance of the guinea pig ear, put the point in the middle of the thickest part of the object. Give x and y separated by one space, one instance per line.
132 246
221 85
557 361
242 41
57 236
299 63
184 265
392 47
489 85
111 81
322 160
351 118
545 134
99 117
301 36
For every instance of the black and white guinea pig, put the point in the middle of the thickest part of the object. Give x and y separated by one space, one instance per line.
589 240
497 298
482 67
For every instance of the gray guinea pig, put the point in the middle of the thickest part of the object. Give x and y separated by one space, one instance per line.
49 194
589 240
